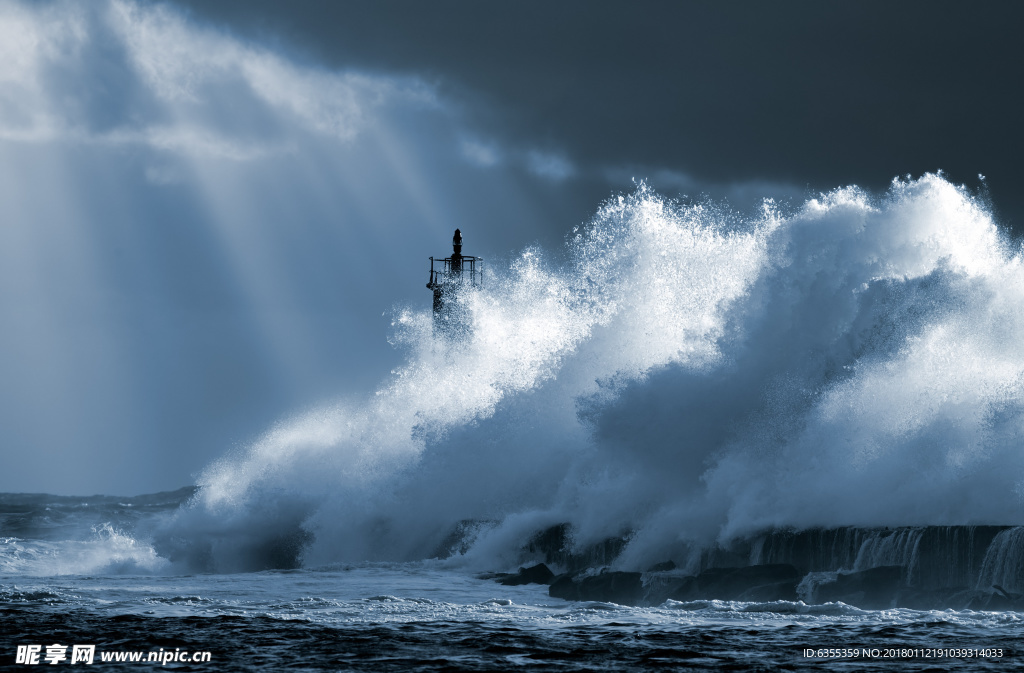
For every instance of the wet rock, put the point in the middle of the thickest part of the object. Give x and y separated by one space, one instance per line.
766 593
753 583
538 574
1008 595
493 576
957 598
564 586
997 600
873 589
624 588
659 586
771 582
461 537
662 567
555 544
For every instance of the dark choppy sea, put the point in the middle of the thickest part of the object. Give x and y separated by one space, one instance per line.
72 572
421 617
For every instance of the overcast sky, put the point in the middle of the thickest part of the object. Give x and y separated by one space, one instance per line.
804 93
209 210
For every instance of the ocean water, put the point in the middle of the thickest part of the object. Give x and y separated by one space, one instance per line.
679 376
427 615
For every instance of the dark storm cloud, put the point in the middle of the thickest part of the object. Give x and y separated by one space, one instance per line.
210 220
809 93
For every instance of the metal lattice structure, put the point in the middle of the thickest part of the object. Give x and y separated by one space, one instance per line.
450 274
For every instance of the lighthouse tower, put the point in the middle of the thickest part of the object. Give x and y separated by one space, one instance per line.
449 276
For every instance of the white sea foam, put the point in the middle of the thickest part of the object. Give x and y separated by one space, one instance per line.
689 375
107 551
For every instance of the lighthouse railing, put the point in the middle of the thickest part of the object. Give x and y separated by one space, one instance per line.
472 271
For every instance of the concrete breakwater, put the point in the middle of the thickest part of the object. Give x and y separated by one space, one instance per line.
926 567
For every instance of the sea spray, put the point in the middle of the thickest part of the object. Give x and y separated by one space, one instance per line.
1004 562
688 376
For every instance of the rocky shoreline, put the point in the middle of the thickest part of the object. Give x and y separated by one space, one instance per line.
866 568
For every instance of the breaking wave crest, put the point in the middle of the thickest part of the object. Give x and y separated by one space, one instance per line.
689 375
